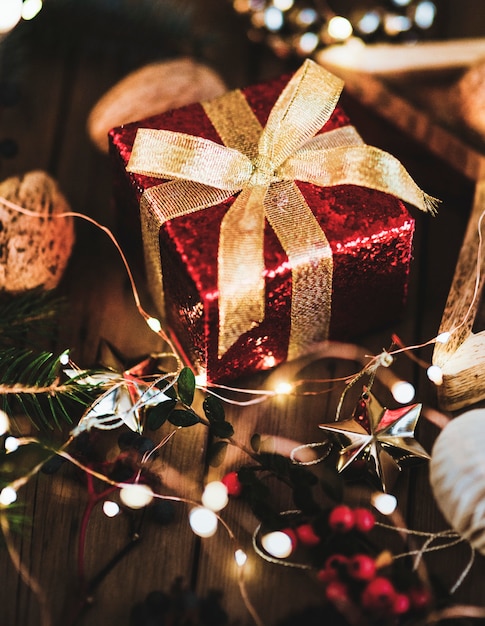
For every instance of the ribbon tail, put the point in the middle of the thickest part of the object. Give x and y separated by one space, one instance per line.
310 257
364 165
241 268
160 204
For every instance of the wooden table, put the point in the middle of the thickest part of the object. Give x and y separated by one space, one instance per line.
48 123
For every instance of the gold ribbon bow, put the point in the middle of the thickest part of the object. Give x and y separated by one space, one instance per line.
262 164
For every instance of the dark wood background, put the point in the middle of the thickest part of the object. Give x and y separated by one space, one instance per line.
61 66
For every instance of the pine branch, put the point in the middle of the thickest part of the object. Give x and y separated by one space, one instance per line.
32 384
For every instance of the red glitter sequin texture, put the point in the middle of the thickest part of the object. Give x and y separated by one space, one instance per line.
370 234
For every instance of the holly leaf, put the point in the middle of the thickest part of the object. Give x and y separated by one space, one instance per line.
213 409
157 415
180 417
186 385
276 463
217 453
224 429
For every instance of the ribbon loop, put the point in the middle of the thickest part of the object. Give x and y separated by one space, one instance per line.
167 154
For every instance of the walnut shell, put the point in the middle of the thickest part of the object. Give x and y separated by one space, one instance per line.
150 90
34 251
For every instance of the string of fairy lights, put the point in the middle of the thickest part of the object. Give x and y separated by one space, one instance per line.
302 27
204 517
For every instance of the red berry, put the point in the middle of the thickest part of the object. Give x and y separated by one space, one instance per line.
419 598
336 592
401 604
326 575
292 535
341 519
362 567
335 562
378 595
233 484
364 520
307 535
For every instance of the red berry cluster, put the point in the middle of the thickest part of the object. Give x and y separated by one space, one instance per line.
358 578
342 519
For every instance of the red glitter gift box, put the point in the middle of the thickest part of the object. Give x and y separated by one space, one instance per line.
369 232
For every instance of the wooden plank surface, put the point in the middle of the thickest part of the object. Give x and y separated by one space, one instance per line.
49 124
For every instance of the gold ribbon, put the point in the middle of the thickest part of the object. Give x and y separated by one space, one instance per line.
262 165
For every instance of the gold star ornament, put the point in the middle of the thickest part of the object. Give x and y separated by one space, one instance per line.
381 438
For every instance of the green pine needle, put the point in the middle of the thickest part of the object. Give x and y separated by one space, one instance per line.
33 384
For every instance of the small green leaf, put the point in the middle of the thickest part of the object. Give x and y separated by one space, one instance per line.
213 409
222 429
158 415
276 463
256 442
168 391
186 385
179 417
217 453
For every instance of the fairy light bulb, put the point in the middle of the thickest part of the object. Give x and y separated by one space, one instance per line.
443 337
10 14
240 557
8 495
424 15
385 503
203 521
215 496
283 5
30 9
339 28
136 496
435 374
4 422
11 444
306 17
273 19
278 544
283 388
369 22
385 359
201 379
307 43
403 391
64 358
396 24
110 508
154 324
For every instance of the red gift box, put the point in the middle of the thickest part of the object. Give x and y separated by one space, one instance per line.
369 232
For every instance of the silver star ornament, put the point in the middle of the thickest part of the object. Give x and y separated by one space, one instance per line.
381 438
